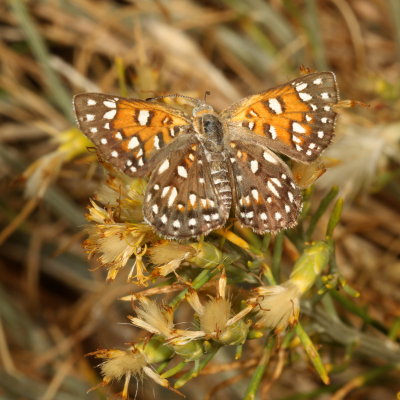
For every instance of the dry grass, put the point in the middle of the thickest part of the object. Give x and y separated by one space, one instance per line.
53 310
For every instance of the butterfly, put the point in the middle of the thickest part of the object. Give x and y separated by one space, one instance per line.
202 165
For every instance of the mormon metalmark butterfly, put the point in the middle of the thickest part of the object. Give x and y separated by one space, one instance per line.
202 164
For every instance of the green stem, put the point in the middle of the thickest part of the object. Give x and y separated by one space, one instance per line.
174 370
197 283
196 369
312 353
320 211
277 256
258 374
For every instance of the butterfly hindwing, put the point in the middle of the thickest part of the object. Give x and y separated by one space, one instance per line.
265 196
296 118
181 200
128 132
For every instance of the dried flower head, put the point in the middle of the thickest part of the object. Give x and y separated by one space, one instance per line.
158 319
279 306
115 243
168 256
216 317
363 152
133 362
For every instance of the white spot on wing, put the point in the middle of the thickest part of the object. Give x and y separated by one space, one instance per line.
276 182
305 96
275 106
172 196
109 104
272 131
192 199
143 117
91 102
155 208
254 166
192 222
182 171
164 219
93 130
267 157
253 113
118 136
103 141
298 128
317 81
110 114
278 216
134 142
163 167
156 142
263 216
250 214
89 117
165 191
301 86
215 216
296 139
272 188
114 154
320 134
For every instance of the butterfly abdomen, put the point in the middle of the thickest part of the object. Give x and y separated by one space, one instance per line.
220 176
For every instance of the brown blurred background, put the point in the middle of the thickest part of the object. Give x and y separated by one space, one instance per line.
53 310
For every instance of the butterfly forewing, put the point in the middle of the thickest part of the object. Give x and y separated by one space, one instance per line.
265 196
128 132
296 118
180 200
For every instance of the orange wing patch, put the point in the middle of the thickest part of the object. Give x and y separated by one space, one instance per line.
273 113
297 118
146 127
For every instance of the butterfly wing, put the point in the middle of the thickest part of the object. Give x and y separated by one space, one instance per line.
128 132
296 119
265 196
181 200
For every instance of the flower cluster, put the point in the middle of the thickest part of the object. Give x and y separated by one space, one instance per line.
118 236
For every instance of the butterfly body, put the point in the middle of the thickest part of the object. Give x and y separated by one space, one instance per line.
202 165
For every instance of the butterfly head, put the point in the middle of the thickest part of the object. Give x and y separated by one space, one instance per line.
209 126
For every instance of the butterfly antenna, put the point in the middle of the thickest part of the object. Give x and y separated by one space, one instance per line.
206 93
